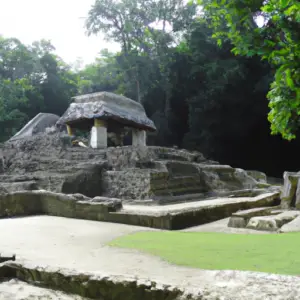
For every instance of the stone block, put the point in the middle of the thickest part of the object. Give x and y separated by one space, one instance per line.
293 226
266 223
289 189
138 138
98 137
272 223
297 202
87 181
257 175
237 222
241 218
254 212
286 217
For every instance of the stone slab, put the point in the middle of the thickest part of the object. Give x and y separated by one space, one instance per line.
272 223
205 204
293 226
241 218
259 211
184 215
171 217
266 223
286 217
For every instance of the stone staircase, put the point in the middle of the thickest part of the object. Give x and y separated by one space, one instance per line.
166 175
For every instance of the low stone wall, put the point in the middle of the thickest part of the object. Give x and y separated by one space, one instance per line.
190 216
111 210
127 157
96 287
43 202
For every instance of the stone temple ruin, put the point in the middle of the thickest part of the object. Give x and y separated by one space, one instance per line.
43 157
43 170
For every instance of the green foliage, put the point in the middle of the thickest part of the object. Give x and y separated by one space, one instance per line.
277 41
185 81
200 95
103 75
32 80
12 100
146 47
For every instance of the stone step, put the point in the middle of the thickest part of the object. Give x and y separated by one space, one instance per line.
178 191
241 218
177 182
19 186
274 222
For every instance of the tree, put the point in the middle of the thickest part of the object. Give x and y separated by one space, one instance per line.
32 80
12 102
132 24
147 31
276 40
103 75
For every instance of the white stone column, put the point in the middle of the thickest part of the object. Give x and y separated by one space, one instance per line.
70 131
99 134
138 137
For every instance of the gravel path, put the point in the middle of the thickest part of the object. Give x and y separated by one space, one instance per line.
80 245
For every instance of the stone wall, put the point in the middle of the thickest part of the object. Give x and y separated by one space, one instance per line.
96 287
50 163
157 172
128 157
70 206
127 184
111 210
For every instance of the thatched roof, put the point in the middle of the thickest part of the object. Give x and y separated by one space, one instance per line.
107 106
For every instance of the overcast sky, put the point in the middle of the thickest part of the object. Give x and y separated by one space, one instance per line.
61 21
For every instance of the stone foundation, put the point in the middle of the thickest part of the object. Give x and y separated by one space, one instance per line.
96 287
111 210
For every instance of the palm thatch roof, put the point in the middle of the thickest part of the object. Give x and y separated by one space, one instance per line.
106 106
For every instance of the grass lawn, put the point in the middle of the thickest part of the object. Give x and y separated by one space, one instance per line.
273 253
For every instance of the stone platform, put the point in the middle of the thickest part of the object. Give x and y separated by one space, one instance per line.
170 217
158 174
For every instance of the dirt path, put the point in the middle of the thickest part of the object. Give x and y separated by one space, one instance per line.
80 245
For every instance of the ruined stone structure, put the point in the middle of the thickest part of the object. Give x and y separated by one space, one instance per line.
285 217
42 172
39 124
161 175
103 112
40 158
